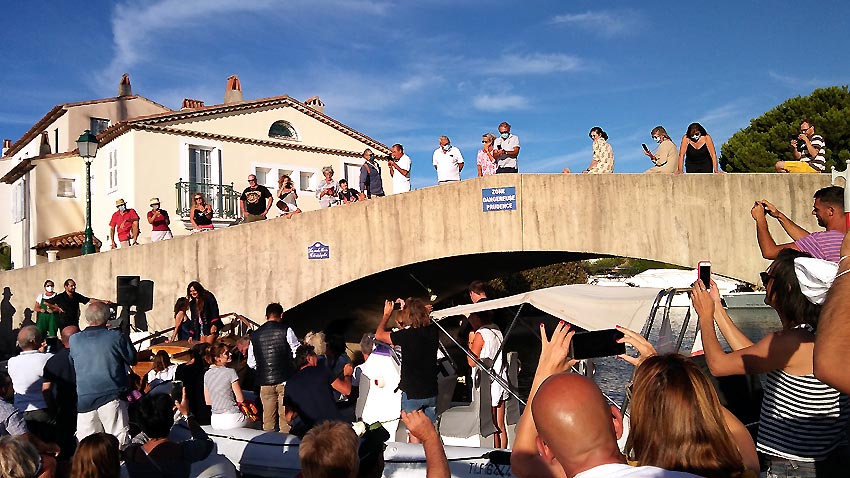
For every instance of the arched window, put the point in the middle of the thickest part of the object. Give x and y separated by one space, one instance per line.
282 129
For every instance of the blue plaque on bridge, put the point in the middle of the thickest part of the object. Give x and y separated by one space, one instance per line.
318 251
498 199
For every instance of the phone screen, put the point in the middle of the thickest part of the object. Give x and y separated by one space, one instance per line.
177 390
597 343
705 273
52 344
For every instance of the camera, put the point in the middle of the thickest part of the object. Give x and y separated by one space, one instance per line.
396 305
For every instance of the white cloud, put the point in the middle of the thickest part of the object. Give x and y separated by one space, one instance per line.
532 64
796 82
602 23
495 103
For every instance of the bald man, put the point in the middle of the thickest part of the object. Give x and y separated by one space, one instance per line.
578 429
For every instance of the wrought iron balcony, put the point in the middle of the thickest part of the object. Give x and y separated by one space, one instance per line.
222 198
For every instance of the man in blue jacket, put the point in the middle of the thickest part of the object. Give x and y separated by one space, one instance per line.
101 359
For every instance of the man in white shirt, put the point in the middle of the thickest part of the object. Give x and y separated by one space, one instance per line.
506 150
31 391
447 161
399 169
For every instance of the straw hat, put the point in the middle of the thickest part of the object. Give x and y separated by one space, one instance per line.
120 202
154 201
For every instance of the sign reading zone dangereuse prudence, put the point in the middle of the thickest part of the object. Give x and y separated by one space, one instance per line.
498 199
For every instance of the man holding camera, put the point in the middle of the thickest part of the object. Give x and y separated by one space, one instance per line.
507 150
809 150
828 208
399 169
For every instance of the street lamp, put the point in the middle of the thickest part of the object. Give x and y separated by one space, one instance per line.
87 146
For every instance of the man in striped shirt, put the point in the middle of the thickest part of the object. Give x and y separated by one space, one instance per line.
809 150
828 209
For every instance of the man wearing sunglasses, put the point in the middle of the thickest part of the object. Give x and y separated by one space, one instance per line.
256 201
809 151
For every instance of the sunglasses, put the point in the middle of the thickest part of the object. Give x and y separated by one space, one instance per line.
765 278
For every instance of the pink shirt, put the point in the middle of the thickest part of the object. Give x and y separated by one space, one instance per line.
488 166
822 245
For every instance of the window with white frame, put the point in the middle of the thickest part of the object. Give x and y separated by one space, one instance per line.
113 171
306 181
66 188
18 212
200 165
264 176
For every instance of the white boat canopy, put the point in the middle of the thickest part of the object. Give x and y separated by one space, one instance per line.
587 306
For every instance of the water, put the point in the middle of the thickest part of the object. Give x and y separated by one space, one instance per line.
612 374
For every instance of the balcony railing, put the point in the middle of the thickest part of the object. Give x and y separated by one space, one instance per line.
222 198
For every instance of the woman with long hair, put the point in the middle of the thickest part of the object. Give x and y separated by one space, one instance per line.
162 371
419 340
676 421
97 456
200 214
204 313
697 153
485 342
222 391
802 422
182 323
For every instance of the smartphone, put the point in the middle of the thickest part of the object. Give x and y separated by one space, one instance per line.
704 273
644 147
597 343
498 146
177 390
52 345
396 305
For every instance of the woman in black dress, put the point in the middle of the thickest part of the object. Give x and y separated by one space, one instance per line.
201 213
697 153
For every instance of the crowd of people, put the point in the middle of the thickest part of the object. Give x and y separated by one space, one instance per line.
696 153
72 397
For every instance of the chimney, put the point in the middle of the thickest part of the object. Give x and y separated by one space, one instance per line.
315 103
233 92
45 144
7 145
124 88
190 104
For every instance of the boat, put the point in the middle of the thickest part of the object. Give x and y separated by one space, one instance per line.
270 454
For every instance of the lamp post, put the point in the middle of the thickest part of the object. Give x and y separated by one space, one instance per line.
87 146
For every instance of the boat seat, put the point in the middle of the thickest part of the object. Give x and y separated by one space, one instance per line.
464 421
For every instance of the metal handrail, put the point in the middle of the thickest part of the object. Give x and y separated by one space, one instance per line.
222 198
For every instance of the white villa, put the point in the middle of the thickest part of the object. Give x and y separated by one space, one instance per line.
147 150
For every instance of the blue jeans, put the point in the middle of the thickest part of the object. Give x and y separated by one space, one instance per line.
427 405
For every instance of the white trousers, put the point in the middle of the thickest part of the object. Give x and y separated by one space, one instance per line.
227 421
110 418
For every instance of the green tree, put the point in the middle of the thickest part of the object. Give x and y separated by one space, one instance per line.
5 255
756 148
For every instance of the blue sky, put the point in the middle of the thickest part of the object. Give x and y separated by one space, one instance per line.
408 72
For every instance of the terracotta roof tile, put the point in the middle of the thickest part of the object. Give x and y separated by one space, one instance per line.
60 110
71 240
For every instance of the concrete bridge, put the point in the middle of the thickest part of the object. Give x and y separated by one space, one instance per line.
442 237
